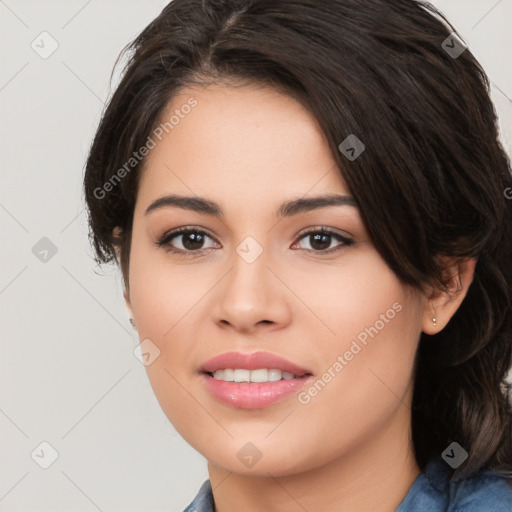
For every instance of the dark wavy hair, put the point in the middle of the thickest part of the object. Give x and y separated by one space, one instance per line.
431 182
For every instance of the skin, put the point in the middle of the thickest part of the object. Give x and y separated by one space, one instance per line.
250 149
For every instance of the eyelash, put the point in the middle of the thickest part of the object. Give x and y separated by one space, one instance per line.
167 237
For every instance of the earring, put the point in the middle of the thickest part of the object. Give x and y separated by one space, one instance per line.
132 321
434 320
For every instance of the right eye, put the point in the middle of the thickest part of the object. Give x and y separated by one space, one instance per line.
191 241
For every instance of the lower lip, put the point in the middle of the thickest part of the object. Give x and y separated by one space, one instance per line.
253 395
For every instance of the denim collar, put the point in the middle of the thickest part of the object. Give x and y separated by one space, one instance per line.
432 491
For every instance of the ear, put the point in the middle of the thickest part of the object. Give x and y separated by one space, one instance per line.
117 239
441 305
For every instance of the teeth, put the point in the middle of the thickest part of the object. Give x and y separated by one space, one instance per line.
274 375
242 375
229 375
260 375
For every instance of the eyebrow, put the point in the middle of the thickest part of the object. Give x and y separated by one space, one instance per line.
287 209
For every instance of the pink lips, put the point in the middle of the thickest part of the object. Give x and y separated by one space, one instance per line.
252 395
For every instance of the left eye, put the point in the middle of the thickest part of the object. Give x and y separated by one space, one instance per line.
320 240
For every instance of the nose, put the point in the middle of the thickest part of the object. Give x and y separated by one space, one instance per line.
252 296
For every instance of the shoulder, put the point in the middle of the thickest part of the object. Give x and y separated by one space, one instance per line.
484 491
203 502
435 491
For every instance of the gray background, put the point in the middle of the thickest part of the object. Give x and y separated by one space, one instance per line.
68 375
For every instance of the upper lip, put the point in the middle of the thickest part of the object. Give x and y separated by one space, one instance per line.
252 361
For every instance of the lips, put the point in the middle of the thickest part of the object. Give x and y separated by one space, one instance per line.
253 361
252 395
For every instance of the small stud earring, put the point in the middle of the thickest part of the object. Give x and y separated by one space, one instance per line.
434 320
132 321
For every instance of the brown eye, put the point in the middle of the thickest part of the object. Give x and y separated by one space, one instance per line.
185 240
320 241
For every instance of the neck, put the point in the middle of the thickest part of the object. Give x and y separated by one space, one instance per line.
376 475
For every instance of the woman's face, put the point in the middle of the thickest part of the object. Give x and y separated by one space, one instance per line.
250 281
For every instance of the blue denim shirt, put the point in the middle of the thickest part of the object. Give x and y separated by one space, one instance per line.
431 492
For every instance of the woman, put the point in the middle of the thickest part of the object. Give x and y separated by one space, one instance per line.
366 373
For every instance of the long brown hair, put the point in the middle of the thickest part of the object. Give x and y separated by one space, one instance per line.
432 181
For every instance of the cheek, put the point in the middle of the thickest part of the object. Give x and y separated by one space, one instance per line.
163 298
166 299
359 298
164 292
365 349
362 384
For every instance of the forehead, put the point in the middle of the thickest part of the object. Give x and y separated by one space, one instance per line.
247 143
